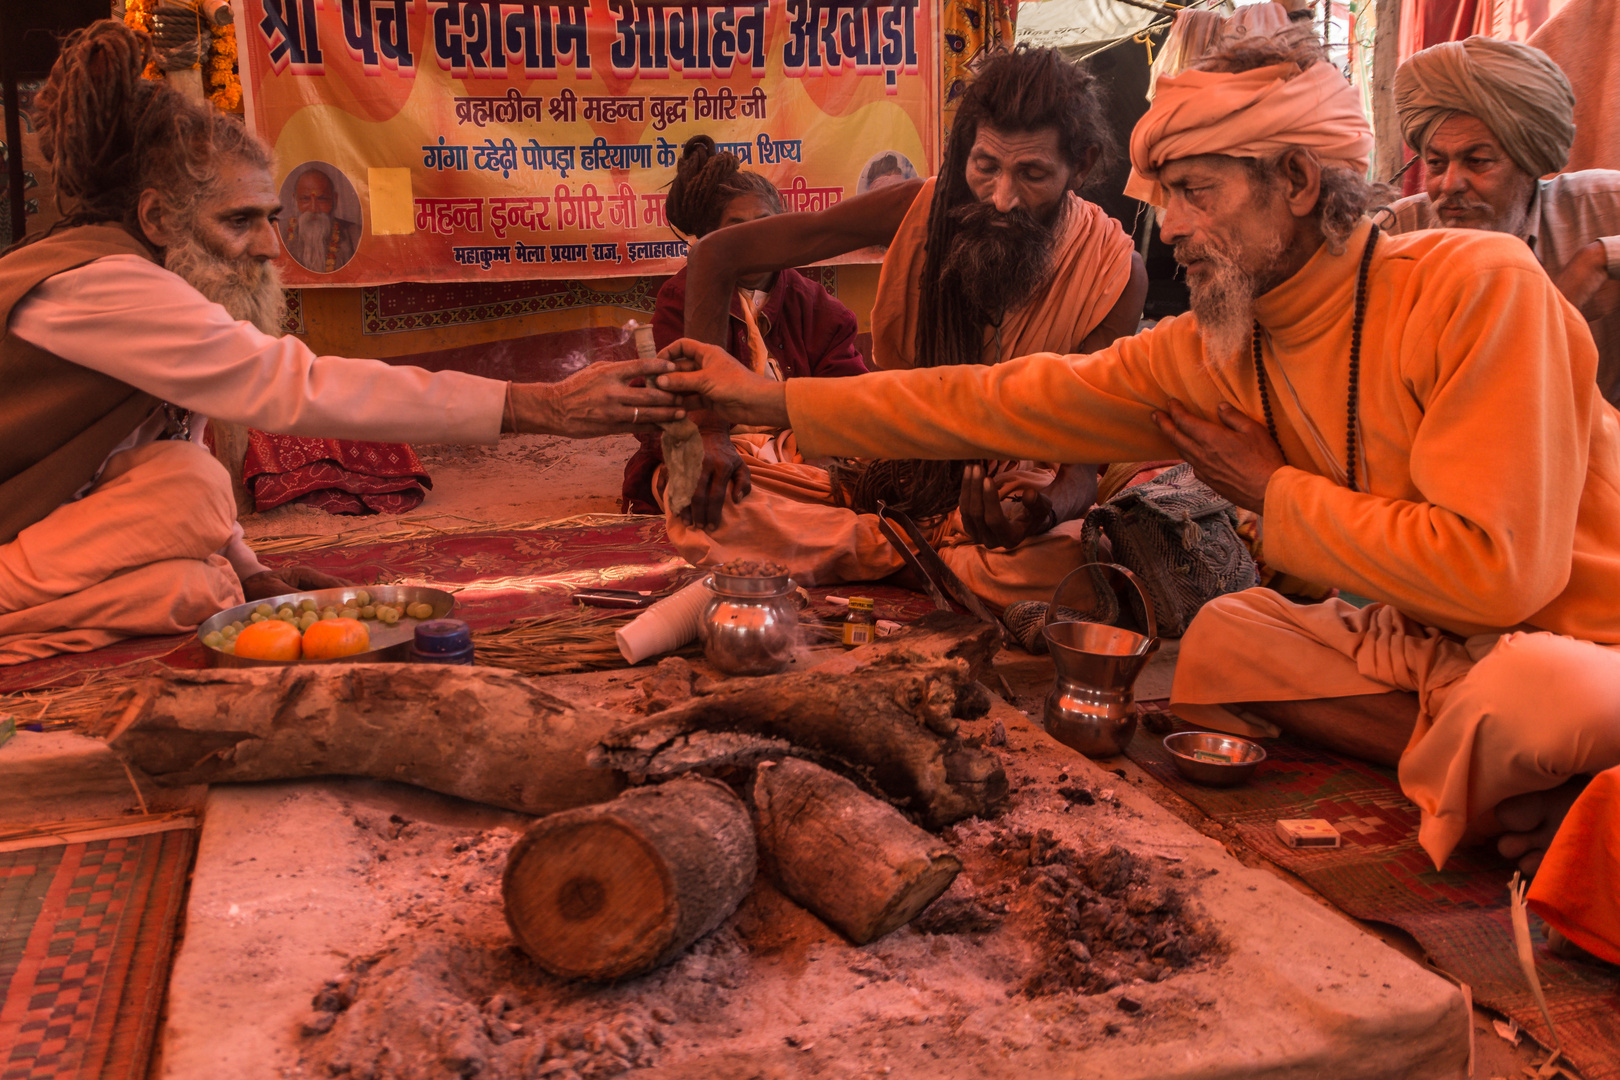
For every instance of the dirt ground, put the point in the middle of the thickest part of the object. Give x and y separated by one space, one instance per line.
536 478
524 478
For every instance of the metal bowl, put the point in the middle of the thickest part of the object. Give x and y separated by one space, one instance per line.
388 643
1214 760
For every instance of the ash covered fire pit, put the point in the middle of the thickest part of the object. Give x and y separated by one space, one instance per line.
352 929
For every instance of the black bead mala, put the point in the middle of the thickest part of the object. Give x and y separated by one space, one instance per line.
1353 393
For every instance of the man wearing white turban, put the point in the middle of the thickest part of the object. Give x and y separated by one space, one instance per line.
1486 119
1415 417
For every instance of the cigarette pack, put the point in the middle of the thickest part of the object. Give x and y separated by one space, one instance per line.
1307 833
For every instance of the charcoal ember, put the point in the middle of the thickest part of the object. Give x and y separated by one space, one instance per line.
956 915
1108 916
750 568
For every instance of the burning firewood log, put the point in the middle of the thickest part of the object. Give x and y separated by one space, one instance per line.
890 710
478 733
611 891
851 859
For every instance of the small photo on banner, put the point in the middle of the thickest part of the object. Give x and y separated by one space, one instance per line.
320 217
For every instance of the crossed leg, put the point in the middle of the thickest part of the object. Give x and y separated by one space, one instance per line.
1519 730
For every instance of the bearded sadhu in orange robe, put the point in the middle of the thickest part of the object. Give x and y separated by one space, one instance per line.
1479 508
1092 291
791 515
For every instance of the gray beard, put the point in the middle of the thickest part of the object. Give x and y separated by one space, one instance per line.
1224 304
248 289
311 238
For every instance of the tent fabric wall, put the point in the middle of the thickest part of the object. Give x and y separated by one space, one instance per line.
1584 39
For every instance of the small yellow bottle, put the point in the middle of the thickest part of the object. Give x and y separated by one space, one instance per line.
860 625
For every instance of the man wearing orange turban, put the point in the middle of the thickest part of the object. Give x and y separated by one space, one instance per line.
1416 418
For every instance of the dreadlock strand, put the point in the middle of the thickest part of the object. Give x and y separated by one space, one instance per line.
706 180
110 134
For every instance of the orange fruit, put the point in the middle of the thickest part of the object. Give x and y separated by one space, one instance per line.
332 638
271 639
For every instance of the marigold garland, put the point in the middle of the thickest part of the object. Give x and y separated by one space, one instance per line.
224 85
138 16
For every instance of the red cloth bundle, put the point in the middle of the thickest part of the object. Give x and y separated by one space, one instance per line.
335 475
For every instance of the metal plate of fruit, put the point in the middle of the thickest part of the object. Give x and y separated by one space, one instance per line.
374 606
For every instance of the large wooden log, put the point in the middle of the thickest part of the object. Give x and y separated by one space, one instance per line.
853 860
499 738
611 891
478 733
890 710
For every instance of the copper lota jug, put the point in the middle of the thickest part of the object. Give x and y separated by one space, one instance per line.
1092 706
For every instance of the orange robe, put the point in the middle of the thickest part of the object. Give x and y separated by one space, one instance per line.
135 556
1489 502
1585 852
790 517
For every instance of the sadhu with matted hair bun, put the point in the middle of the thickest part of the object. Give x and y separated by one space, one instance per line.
706 180
109 134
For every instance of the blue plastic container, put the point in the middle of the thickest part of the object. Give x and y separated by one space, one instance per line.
442 641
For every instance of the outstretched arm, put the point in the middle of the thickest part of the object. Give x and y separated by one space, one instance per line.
781 242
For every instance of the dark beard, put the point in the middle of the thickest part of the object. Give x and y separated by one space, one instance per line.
248 289
996 260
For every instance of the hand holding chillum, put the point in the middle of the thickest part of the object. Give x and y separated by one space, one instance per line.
995 522
710 378
1233 454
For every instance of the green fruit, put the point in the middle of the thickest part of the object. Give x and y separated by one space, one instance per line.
264 609
306 605
214 640
369 611
361 598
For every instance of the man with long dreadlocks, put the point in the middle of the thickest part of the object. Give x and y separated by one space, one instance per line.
153 304
1415 416
995 257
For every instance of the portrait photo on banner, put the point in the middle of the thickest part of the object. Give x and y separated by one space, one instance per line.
320 217
881 169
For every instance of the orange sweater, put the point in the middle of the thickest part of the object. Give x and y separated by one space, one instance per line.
1491 465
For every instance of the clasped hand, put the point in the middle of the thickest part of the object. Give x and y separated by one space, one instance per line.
710 378
997 522
1235 456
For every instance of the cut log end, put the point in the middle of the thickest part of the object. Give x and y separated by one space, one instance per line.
610 891
590 899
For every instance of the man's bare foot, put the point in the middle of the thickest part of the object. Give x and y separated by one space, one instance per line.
1530 822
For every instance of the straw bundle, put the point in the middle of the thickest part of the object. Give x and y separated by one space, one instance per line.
370 534
581 640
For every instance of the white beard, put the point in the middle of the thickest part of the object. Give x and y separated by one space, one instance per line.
311 239
248 289
1224 303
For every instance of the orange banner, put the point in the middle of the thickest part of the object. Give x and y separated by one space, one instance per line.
465 140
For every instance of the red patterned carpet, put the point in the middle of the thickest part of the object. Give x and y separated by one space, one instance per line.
86 935
1459 915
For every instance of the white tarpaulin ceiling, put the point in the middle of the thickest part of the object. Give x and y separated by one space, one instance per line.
1060 23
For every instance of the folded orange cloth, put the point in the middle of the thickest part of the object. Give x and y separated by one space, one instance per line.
1577 889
